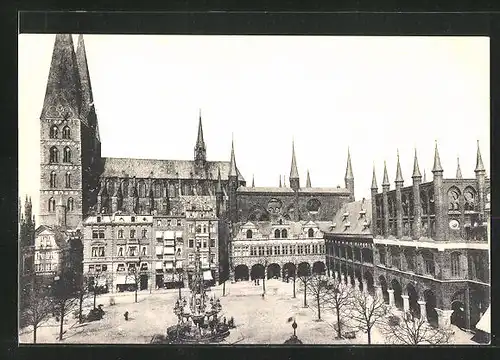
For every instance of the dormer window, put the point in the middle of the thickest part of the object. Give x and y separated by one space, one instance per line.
362 213
347 225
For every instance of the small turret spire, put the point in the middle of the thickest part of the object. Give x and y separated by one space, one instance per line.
308 180
232 165
218 188
437 161
280 181
253 180
425 177
479 160
294 174
399 175
459 171
374 179
348 170
385 180
416 169
200 151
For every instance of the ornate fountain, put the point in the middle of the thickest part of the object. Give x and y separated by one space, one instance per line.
197 315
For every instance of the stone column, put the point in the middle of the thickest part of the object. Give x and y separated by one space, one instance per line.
392 302
365 286
444 318
342 278
336 275
378 292
423 309
356 283
349 280
406 302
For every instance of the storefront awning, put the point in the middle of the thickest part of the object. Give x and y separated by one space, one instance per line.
124 279
169 235
484 324
207 275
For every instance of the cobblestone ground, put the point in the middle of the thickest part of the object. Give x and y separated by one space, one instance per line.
259 320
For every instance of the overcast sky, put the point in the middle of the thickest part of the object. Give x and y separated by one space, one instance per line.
373 94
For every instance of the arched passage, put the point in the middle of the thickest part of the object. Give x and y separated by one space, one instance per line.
319 268
289 270
398 300
257 272
273 271
430 307
357 273
304 269
369 282
413 300
383 286
241 272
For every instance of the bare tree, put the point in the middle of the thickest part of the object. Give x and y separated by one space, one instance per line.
318 288
339 297
366 311
413 330
65 298
305 279
38 305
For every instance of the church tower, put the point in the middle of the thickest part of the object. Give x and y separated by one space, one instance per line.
69 140
200 150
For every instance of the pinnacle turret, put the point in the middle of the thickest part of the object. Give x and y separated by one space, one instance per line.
416 169
253 180
437 161
232 165
200 150
294 174
479 160
218 189
399 174
348 170
308 180
63 92
374 180
385 180
459 171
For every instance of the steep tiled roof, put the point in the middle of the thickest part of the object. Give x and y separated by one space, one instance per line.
295 228
324 190
60 236
354 218
162 169
265 189
313 190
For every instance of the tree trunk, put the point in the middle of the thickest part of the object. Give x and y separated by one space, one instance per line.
34 333
294 287
136 292
339 332
224 288
95 296
180 293
319 307
305 295
61 325
80 310
369 332
264 284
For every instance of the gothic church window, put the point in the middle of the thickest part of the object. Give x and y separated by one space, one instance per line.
66 133
70 204
52 204
142 189
53 179
54 155
157 190
453 199
54 132
455 264
68 179
469 196
428 259
67 154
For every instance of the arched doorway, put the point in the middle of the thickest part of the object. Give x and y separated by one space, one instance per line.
288 271
413 300
383 286
357 273
304 269
398 300
273 271
257 272
430 307
369 282
241 272
319 268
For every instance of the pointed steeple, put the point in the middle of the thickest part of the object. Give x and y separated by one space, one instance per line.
399 175
280 180
200 151
218 189
253 180
459 171
479 160
437 161
232 165
416 170
85 85
425 177
308 180
385 180
63 93
374 179
200 141
348 170
294 174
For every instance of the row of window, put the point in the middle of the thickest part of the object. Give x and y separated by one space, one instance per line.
54 155
346 252
280 233
99 234
132 251
170 222
44 255
273 250
54 132
53 180
45 267
200 229
203 243
203 257
70 204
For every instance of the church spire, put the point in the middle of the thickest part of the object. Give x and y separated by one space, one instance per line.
63 94
374 179
385 180
416 169
232 165
85 85
459 171
437 161
294 174
479 160
399 174
200 151
348 170
308 180
218 189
